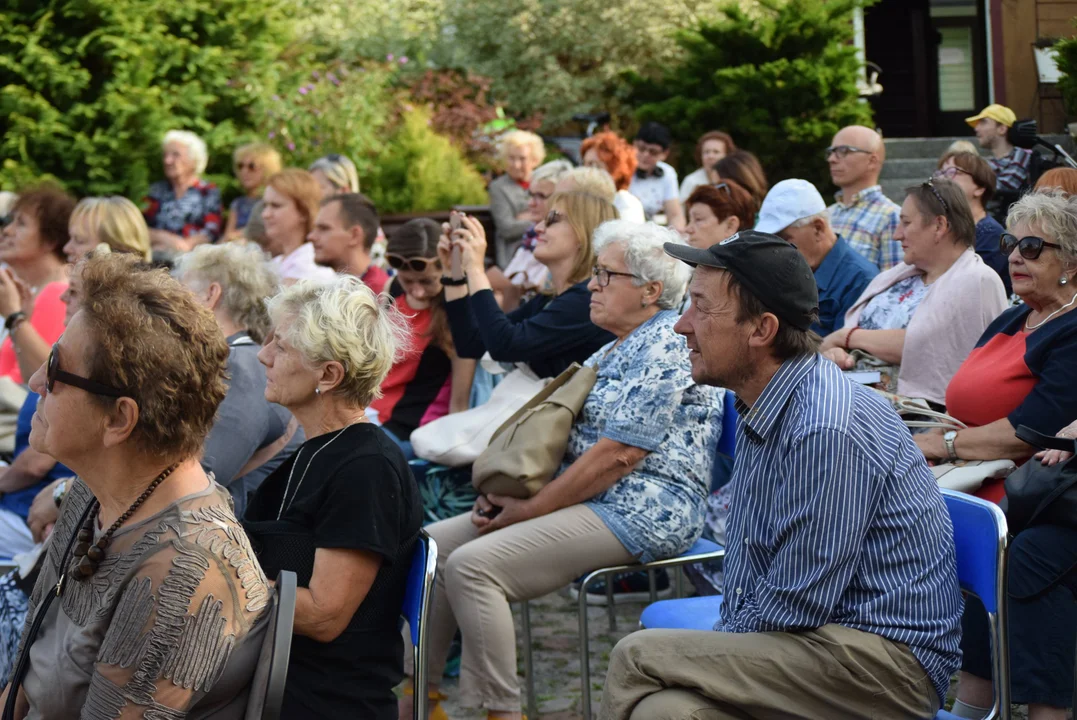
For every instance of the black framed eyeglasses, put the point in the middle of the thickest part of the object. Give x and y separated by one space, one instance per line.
416 264
843 151
938 196
602 275
53 375
1030 246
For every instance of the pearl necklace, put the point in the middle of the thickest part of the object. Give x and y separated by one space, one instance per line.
1056 312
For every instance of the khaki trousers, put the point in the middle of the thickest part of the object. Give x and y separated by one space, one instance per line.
830 673
478 576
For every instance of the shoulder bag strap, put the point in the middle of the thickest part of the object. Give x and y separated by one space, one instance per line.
23 665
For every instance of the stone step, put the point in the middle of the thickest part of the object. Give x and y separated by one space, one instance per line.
895 189
909 168
919 148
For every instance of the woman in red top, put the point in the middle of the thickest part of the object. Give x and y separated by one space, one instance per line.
32 247
430 380
1020 372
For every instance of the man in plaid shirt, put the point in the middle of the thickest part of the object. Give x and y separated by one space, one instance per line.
862 214
1009 163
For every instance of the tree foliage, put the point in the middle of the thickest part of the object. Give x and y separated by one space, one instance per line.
781 79
88 87
1066 53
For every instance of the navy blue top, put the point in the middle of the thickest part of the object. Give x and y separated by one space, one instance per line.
548 334
19 501
838 519
842 277
988 231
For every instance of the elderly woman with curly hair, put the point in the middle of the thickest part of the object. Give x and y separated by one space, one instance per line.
344 511
521 153
610 152
132 579
631 486
183 210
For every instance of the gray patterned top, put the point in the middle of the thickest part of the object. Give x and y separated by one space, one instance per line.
645 397
169 627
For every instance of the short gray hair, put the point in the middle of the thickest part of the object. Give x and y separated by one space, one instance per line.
246 279
1055 213
522 139
552 171
646 257
344 321
195 146
340 171
802 222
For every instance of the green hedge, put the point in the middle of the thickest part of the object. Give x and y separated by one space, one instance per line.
1066 50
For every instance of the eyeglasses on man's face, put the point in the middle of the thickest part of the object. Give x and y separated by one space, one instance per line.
843 151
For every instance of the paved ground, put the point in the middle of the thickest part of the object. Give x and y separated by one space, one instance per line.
556 656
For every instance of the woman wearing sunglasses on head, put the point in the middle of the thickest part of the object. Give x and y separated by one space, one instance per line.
1021 370
429 380
551 331
924 314
975 177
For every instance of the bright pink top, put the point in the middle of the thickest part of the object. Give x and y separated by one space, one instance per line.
48 320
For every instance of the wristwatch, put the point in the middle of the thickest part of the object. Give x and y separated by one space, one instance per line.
948 438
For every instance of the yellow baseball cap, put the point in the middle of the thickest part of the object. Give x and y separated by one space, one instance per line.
998 113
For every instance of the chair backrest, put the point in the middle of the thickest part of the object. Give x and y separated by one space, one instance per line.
980 539
267 687
727 442
424 562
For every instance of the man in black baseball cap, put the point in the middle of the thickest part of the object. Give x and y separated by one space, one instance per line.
837 534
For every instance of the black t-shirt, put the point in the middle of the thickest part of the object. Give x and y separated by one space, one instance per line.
349 489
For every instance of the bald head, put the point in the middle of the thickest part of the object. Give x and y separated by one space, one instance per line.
863 159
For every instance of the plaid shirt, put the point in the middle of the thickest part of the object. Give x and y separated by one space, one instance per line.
1011 172
867 223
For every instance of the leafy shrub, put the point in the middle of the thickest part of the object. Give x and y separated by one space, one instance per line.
780 79
1066 52
421 170
88 88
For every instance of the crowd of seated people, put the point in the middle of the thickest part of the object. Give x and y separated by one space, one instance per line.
301 348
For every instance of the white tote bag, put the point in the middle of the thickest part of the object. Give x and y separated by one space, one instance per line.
458 439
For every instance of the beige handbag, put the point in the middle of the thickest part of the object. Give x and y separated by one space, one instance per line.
526 451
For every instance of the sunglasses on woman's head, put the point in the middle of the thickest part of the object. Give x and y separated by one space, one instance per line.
53 375
1030 246
723 187
416 264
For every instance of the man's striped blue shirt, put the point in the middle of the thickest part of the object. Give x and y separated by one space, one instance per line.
836 518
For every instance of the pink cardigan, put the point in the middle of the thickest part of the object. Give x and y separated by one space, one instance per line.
944 329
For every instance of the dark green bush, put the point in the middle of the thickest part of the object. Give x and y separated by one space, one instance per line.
781 79
1066 52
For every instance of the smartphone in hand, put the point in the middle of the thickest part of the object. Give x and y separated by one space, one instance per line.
455 222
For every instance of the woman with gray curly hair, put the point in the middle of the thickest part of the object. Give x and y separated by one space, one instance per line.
251 436
632 485
343 512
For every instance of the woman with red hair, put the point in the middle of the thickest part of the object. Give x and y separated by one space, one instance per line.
612 153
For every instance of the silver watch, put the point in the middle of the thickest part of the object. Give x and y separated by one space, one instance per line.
948 437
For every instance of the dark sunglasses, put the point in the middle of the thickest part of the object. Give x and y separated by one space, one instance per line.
416 264
553 217
1030 247
246 166
54 374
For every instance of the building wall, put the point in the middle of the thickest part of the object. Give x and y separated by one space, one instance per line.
1018 24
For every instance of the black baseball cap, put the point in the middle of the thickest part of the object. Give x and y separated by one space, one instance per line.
770 268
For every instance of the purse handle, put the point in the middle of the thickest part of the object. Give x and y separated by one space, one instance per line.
23 665
1046 442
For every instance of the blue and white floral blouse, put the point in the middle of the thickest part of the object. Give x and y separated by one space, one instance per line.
645 397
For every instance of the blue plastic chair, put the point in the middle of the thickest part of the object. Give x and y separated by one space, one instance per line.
980 541
416 608
727 444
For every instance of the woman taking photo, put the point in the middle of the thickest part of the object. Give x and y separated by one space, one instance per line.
631 486
127 397
291 199
926 313
343 513
429 380
549 332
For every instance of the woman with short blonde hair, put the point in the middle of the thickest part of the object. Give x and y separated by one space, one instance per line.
336 174
343 512
114 221
590 180
254 164
291 201
521 152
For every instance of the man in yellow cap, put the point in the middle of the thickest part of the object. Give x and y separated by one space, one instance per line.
1009 163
